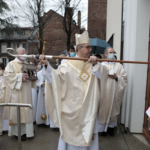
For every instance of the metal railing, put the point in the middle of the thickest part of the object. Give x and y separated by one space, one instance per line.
18 105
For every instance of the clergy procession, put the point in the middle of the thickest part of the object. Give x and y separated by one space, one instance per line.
80 99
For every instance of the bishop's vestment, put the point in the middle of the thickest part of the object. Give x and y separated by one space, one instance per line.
72 99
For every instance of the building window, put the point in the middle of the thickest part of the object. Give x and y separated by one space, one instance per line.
9 32
5 60
14 45
3 47
21 32
25 46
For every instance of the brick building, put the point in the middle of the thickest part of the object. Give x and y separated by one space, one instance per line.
55 35
97 13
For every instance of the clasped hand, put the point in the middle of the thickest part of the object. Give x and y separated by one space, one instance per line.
113 76
92 60
24 77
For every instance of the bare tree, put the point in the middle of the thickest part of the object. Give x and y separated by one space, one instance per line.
70 12
33 13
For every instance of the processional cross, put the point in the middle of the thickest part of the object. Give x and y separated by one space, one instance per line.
44 45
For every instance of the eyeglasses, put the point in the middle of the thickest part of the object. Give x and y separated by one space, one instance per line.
88 47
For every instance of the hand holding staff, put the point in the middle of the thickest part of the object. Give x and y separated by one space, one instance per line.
92 60
43 59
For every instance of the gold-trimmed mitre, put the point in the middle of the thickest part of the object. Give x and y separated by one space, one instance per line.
82 38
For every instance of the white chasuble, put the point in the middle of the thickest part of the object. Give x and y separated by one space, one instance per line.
94 145
112 93
17 92
72 100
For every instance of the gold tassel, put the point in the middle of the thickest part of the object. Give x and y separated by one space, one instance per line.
10 123
43 117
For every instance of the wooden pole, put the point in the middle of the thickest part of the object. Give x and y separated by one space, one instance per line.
100 60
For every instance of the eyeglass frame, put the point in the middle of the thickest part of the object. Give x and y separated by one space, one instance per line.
88 47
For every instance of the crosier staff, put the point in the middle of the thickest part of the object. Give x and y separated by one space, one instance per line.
74 58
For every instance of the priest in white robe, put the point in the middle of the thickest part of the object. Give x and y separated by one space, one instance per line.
111 94
18 90
4 124
73 97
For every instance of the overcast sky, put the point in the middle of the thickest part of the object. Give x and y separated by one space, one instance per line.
49 4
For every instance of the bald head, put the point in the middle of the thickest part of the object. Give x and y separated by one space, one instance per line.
20 51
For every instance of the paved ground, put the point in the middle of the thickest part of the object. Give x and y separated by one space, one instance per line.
47 139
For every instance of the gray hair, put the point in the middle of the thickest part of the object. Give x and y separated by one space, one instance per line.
19 49
106 50
80 45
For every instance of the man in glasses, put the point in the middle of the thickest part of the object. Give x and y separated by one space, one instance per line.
73 96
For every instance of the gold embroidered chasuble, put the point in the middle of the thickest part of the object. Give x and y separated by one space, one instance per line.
112 93
13 95
72 100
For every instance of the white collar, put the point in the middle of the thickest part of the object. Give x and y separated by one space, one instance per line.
19 61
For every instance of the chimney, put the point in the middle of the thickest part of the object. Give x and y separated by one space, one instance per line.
79 19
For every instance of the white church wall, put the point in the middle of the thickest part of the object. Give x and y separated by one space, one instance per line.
136 36
114 17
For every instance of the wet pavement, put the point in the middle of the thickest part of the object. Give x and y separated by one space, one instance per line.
47 139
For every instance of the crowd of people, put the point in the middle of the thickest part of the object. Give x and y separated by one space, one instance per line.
79 98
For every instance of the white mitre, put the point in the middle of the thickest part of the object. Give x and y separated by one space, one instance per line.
82 38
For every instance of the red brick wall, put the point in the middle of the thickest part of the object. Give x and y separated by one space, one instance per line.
97 13
55 35
32 48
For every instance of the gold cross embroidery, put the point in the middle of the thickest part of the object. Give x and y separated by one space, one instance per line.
84 76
